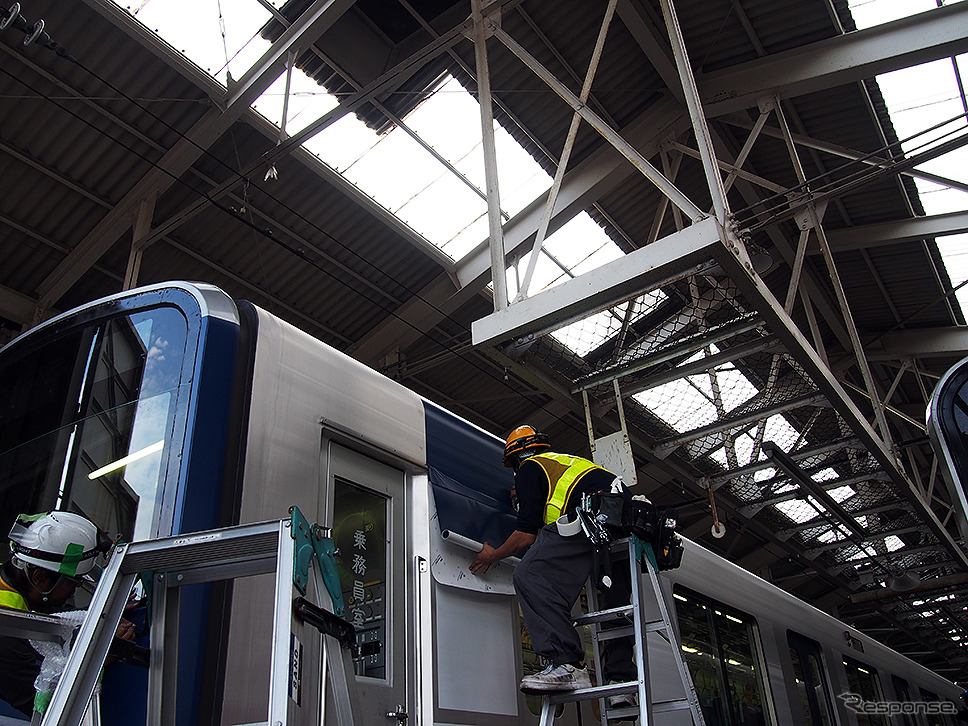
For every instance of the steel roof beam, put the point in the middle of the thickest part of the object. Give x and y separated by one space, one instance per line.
643 269
920 343
889 233
836 61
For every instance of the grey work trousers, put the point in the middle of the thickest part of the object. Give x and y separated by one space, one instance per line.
548 582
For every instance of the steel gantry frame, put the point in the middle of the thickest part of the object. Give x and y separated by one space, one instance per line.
715 241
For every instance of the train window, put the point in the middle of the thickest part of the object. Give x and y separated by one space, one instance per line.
720 647
936 718
902 693
863 682
88 418
361 536
813 701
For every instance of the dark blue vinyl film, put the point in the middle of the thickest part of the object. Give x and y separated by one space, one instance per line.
471 486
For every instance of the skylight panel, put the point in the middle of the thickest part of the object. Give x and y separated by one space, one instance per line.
679 404
841 494
394 190
797 510
450 107
307 102
424 211
832 536
196 27
824 475
781 433
734 388
868 13
582 245
764 474
893 543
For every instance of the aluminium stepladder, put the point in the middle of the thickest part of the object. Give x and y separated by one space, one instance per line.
310 645
640 558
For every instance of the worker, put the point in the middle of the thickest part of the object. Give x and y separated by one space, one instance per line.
51 554
550 577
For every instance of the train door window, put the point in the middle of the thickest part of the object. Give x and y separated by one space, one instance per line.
812 692
863 683
902 693
720 646
89 420
360 534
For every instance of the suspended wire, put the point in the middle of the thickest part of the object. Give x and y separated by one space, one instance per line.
221 27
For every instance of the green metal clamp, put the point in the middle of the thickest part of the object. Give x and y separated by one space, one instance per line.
310 544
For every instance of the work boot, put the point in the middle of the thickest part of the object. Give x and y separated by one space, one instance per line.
565 677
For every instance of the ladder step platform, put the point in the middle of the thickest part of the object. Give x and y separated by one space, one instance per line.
602 615
586 694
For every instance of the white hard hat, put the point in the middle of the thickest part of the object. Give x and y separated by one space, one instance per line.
62 542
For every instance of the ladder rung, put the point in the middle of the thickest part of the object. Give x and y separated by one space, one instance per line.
600 615
623 713
680 704
613 633
584 694
653 626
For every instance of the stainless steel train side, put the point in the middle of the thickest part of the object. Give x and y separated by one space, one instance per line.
452 642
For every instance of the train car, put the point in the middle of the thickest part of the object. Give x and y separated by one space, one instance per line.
173 408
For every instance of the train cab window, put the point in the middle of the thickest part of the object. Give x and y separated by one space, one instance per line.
361 536
902 693
863 682
812 693
88 420
720 646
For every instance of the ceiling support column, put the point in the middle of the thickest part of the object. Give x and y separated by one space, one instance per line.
496 232
716 189
142 226
620 144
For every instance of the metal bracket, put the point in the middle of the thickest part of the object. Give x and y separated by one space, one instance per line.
311 544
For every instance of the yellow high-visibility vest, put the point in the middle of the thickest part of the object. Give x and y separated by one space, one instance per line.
563 474
10 598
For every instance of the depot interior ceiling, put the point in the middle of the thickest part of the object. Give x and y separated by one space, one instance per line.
769 335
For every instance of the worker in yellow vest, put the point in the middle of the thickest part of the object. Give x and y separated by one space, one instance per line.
50 554
550 577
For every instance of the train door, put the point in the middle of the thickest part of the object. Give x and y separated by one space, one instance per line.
811 682
368 518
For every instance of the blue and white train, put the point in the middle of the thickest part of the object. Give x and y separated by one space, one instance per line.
174 408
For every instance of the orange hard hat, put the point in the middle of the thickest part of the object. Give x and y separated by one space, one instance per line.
524 440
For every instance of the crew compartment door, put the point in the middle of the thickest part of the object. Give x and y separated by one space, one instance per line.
367 512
